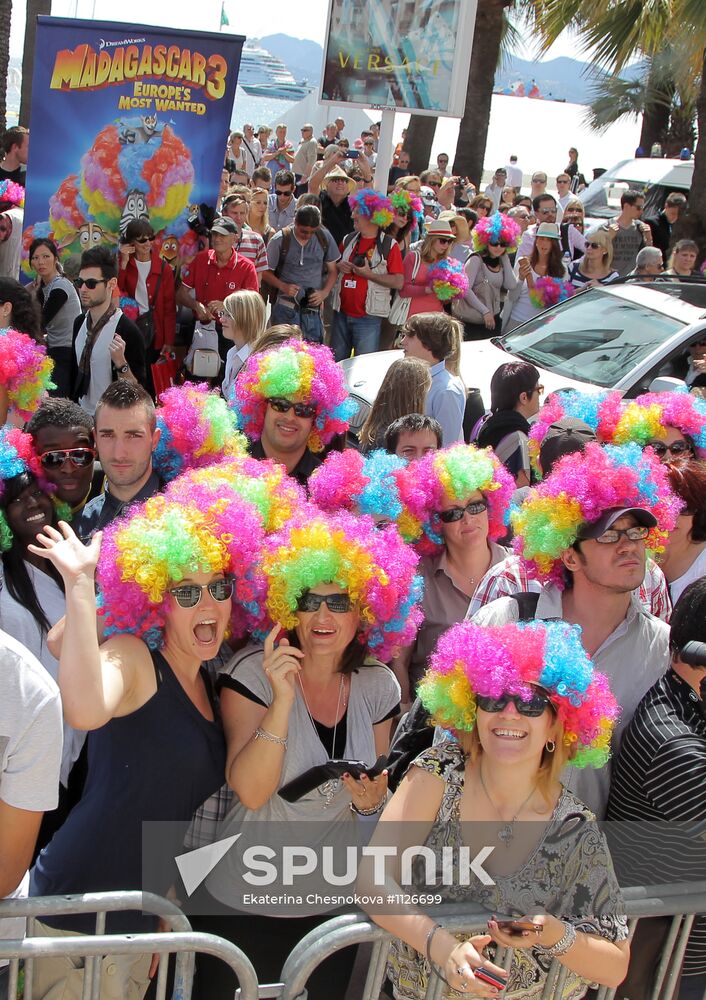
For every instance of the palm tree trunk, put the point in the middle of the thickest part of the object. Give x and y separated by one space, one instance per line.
655 117
473 133
693 225
34 7
419 140
5 22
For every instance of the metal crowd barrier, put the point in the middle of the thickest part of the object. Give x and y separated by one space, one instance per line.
180 940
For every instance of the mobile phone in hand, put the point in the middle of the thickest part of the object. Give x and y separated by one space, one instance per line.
519 927
492 978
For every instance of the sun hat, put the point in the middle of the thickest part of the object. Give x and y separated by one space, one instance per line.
336 172
440 227
463 231
549 230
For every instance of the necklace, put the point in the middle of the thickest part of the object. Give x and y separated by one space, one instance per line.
507 830
311 717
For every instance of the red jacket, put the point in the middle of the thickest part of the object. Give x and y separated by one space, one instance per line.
164 308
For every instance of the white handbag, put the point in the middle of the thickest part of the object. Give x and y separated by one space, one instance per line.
399 310
203 359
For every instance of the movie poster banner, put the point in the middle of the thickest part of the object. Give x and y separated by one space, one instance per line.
408 55
128 122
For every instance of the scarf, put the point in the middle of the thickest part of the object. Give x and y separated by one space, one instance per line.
92 333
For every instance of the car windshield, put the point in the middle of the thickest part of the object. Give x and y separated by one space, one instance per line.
601 199
595 337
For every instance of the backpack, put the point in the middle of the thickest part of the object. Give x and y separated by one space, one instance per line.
287 242
383 244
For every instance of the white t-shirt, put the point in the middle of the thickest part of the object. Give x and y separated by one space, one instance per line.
30 743
694 572
101 369
19 623
141 295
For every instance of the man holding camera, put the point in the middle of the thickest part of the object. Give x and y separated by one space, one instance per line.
302 267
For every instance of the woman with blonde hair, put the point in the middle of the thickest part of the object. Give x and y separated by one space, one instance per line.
258 218
435 246
683 258
243 321
404 390
596 265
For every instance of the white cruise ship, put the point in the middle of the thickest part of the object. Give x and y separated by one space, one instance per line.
264 75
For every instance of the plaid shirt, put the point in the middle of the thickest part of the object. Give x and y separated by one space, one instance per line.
510 577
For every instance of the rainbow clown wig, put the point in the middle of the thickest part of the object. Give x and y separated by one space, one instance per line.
470 660
17 457
407 201
197 428
448 279
12 193
263 484
298 371
580 488
596 409
497 229
375 567
450 476
372 205
160 542
364 484
25 371
647 418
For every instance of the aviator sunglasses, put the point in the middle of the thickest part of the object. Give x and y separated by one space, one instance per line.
456 513
79 457
188 595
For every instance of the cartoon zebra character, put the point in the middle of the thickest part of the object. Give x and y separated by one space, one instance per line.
135 208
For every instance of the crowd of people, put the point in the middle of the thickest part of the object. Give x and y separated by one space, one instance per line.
209 591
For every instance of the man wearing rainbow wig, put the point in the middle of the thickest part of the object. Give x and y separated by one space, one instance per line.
584 533
370 269
291 401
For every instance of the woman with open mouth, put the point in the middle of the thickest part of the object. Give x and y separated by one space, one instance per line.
516 703
172 578
342 595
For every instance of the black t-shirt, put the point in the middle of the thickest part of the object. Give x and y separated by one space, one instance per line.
18 175
395 174
301 471
336 218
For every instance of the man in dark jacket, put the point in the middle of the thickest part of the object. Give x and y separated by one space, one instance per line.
662 226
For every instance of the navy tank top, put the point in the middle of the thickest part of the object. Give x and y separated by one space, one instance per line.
158 764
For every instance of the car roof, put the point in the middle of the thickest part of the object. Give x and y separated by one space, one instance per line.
653 171
682 300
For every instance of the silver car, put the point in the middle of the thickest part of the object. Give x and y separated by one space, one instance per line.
633 336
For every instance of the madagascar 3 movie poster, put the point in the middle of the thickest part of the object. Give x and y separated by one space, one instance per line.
127 122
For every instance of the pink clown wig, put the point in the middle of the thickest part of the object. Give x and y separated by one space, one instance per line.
17 456
450 476
471 660
448 279
12 193
498 229
594 408
372 205
375 567
580 488
298 371
408 201
25 371
158 543
647 418
197 428
549 291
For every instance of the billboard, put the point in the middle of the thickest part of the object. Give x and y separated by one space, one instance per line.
128 121
407 55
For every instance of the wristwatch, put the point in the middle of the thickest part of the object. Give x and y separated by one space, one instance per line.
124 369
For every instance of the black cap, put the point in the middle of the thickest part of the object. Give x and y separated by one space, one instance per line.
224 226
563 437
610 516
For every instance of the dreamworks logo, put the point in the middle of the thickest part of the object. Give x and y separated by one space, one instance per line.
102 44
262 866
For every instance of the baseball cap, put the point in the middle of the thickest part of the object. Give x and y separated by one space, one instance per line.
563 437
427 195
610 516
226 227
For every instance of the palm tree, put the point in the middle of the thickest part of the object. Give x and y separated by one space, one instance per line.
5 23
419 140
34 8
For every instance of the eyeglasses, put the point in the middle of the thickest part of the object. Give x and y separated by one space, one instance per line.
79 457
677 448
281 405
563 182
612 535
444 239
546 211
456 513
532 709
90 282
144 239
188 595
339 604
595 246
283 194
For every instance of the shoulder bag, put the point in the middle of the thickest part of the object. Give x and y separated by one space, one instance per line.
399 311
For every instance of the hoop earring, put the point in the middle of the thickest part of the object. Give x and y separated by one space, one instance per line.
550 746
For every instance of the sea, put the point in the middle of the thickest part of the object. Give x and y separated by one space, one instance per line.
257 110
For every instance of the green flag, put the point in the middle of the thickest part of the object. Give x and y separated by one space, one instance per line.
224 17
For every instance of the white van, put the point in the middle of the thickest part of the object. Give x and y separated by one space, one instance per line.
655 178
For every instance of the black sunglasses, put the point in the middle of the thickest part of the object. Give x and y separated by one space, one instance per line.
89 282
188 595
532 709
282 405
456 513
79 457
144 239
444 239
596 246
283 194
678 448
337 603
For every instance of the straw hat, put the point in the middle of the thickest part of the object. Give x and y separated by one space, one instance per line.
339 172
440 227
463 231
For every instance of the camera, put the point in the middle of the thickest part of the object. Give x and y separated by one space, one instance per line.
359 259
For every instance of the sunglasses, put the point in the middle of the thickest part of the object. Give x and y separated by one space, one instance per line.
80 458
337 603
300 409
89 282
283 194
144 239
678 448
612 535
456 513
444 239
595 246
532 709
188 595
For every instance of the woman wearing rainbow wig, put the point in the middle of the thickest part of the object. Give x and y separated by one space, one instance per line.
489 273
173 578
25 368
459 496
290 402
672 423
343 597
522 700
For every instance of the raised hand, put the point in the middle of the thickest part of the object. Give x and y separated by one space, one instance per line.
65 550
282 665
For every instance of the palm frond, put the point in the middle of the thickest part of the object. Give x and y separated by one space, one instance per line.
614 98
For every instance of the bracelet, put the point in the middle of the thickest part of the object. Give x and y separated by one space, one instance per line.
430 937
368 812
562 945
262 734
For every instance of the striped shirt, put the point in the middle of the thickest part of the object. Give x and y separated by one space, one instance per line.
659 776
252 246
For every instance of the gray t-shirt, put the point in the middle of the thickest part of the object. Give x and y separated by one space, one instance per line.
304 265
374 692
627 243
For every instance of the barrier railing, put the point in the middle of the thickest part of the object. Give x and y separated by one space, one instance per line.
180 940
